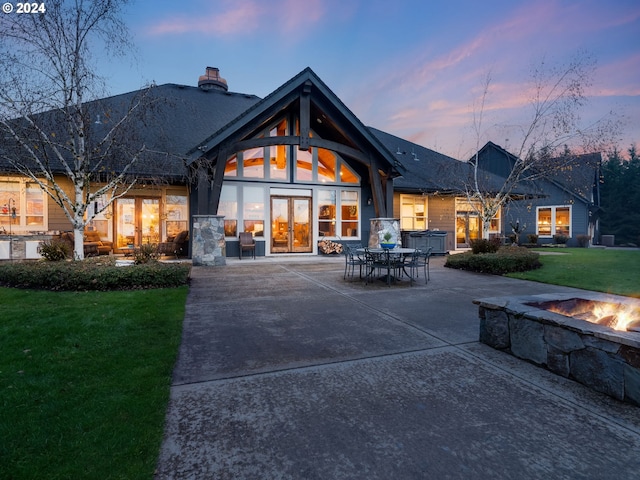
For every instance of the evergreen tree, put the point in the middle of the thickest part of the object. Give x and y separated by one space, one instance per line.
620 197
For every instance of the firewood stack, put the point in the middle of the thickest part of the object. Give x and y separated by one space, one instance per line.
328 247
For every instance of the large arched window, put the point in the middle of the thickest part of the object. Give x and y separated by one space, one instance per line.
273 163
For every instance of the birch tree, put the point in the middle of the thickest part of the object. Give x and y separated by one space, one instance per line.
51 119
556 97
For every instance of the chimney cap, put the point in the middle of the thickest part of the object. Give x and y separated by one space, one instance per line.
212 80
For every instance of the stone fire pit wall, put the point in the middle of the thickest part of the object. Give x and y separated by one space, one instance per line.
599 357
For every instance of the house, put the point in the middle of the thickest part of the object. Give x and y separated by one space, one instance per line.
293 168
563 204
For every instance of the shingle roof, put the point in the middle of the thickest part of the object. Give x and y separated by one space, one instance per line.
177 118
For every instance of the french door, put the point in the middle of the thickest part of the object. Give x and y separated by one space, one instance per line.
137 221
468 228
290 224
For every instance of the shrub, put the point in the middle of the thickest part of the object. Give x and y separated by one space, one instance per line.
146 253
532 238
583 240
482 245
55 250
505 260
93 274
560 239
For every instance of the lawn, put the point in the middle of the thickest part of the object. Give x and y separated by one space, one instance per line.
610 271
84 381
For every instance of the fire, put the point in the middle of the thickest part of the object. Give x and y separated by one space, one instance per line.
613 315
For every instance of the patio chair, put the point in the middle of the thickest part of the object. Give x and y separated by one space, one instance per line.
352 259
381 262
178 245
419 259
247 243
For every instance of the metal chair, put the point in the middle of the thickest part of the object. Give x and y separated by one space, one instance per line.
419 259
352 260
379 262
247 243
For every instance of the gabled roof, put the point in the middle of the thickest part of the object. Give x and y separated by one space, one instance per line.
578 176
423 170
427 171
322 97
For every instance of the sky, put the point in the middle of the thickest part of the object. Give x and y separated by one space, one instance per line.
412 68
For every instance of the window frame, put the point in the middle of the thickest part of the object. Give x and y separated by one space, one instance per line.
19 223
553 224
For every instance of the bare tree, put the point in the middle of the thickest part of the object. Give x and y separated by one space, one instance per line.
557 96
53 128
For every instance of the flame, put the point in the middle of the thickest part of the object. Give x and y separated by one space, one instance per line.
616 316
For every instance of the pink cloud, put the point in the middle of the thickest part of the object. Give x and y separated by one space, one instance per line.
246 18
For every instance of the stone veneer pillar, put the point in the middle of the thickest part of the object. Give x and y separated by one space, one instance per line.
379 224
208 247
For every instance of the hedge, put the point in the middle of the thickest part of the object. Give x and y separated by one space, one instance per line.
505 260
92 274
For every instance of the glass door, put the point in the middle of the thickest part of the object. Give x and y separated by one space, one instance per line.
467 229
137 221
290 224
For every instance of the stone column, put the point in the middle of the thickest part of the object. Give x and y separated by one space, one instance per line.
391 225
208 247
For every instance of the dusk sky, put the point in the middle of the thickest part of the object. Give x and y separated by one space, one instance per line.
413 68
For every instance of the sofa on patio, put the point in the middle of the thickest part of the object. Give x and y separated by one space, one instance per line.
178 245
93 244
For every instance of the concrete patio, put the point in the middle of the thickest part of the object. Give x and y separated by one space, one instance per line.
286 371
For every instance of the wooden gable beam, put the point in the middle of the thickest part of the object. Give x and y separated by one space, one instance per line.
305 116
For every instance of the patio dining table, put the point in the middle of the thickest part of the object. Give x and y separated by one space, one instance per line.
396 252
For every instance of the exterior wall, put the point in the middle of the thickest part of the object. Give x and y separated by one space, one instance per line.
57 219
526 212
442 216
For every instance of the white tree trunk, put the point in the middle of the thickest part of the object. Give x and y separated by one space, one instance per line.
486 226
78 243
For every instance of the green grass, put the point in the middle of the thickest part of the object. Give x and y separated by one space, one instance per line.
610 271
84 381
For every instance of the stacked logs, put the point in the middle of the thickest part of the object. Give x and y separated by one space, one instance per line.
328 247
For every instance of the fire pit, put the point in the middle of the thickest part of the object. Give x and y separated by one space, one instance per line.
592 338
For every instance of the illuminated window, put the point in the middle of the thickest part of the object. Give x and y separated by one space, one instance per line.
23 205
327 213
176 210
349 208
413 212
253 210
231 167
253 163
228 207
304 165
326 166
554 221
347 175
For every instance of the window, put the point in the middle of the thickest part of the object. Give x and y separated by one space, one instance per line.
327 213
176 210
326 166
338 213
253 210
347 175
349 204
23 205
304 165
554 221
231 167
253 163
229 208
413 212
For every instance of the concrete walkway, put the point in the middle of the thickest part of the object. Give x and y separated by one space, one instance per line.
286 371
